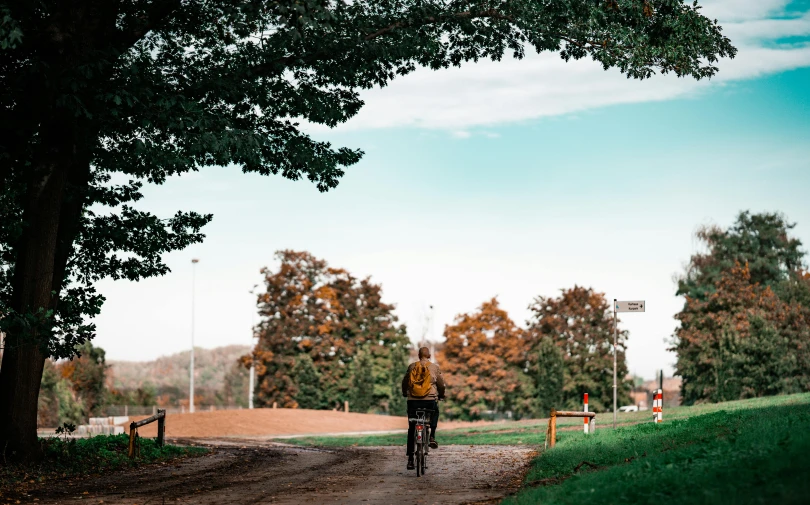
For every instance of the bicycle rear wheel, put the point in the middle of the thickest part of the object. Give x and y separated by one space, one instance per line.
420 453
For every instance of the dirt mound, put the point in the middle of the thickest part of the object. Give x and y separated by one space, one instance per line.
277 422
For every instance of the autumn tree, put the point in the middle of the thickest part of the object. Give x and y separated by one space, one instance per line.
481 360
57 401
580 323
100 97
760 241
311 308
743 328
743 341
87 376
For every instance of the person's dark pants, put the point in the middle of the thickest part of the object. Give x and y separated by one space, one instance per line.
434 419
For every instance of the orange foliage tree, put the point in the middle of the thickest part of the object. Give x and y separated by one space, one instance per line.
482 362
742 341
580 323
326 313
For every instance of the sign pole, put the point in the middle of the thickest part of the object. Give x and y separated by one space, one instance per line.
614 363
636 306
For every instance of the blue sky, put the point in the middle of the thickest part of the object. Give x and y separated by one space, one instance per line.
512 180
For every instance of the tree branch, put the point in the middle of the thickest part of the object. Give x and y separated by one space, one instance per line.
156 15
283 61
490 13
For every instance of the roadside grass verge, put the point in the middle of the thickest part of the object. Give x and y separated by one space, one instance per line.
449 437
63 459
747 452
529 432
533 431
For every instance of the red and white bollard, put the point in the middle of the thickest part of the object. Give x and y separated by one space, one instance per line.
658 406
586 410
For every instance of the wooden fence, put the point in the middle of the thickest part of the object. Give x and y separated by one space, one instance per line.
134 439
551 434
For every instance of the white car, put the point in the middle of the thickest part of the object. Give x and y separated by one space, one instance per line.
629 408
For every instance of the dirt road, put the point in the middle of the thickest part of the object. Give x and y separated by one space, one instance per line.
250 472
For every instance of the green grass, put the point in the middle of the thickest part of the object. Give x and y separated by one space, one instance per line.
84 456
744 452
450 437
533 432
747 452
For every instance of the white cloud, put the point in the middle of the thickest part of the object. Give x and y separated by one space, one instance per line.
742 10
490 93
764 29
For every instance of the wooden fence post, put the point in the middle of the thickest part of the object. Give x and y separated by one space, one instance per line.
131 451
134 446
553 421
161 428
346 406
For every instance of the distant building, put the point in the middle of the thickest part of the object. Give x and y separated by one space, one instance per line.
642 394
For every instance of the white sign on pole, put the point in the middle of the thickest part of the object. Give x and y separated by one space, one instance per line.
630 306
618 306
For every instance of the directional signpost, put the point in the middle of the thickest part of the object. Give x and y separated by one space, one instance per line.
630 306
637 306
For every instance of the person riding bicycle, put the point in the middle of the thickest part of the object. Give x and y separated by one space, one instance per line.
423 385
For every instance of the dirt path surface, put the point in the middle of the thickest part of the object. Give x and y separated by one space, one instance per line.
247 472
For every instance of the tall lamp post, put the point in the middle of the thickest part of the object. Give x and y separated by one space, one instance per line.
253 361
191 367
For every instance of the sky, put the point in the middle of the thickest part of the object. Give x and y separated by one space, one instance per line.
512 180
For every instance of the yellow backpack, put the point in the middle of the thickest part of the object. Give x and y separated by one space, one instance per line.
420 380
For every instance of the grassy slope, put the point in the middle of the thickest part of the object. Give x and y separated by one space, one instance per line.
754 451
746 452
534 432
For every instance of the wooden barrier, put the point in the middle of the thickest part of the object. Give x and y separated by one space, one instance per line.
134 446
551 433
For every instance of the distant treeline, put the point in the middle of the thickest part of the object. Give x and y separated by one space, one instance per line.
86 386
326 337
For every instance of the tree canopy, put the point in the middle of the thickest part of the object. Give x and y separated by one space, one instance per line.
494 366
310 309
744 325
580 323
149 90
481 361
98 98
761 241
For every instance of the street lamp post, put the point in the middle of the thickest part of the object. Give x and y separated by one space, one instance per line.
191 367
253 360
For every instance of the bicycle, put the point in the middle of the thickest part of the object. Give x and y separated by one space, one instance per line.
421 438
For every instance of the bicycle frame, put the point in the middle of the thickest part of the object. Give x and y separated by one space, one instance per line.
421 438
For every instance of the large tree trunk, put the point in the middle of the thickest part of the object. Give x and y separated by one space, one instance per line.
19 393
51 217
57 187
24 358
